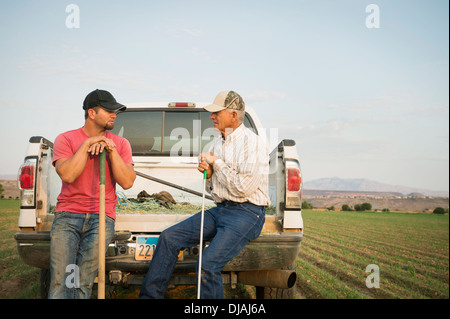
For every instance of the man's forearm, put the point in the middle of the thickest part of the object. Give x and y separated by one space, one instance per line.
69 169
123 173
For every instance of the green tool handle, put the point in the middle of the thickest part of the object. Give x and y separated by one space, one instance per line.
102 167
204 174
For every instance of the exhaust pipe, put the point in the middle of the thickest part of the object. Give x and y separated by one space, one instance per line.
284 279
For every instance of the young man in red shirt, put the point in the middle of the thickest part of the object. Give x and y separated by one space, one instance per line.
74 234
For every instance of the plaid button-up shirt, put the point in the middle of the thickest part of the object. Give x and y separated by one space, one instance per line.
241 172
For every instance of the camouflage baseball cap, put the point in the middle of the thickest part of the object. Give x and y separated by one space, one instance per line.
226 100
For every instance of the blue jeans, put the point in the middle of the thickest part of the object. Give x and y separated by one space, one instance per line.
74 254
228 227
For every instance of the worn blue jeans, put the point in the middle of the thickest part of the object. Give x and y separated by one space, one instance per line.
228 227
74 254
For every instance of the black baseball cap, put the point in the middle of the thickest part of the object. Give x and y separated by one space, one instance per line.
104 99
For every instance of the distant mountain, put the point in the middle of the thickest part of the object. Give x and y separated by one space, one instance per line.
361 184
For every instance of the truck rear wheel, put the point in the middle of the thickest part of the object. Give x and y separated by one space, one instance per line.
275 293
45 283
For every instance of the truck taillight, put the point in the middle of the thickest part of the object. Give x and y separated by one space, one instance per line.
293 185
26 182
26 177
294 179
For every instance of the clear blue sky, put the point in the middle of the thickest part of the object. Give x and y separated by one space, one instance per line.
360 102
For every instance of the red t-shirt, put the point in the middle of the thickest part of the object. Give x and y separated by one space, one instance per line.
82 196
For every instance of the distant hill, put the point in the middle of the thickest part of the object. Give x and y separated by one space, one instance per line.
361 184
8 177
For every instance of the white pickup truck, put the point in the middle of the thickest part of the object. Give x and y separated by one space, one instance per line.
166 140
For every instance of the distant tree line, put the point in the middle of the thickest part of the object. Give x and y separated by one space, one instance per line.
366 207
306 205
440 211
345 207
358 207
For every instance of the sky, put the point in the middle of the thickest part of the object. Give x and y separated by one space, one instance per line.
361 86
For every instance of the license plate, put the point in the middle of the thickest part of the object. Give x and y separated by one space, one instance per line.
146 245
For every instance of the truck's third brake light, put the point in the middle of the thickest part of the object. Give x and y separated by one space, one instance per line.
182 104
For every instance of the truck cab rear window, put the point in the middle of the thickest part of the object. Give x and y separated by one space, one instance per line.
165 133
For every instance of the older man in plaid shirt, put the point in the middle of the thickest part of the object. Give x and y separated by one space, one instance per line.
237 177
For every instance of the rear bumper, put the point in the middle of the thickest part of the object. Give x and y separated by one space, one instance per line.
271 251
34 246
